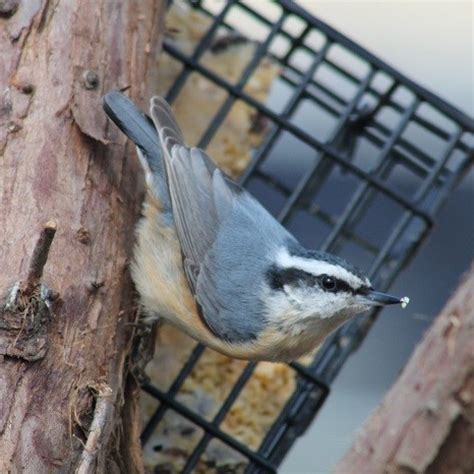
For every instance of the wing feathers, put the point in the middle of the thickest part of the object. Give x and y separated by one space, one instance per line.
163 117
189 173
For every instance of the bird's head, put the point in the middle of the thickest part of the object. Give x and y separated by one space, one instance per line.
311 285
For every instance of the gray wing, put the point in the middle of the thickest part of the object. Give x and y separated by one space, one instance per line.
227 238
189 176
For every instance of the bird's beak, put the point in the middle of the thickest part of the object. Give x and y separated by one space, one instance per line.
374 298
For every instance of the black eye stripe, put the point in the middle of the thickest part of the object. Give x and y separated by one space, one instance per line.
279 277
343 286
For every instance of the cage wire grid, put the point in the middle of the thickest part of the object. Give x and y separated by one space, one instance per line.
357 117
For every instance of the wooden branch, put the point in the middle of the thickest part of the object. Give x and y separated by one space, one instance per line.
40 255
425 424
60 159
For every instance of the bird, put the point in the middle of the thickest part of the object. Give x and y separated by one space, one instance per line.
211 260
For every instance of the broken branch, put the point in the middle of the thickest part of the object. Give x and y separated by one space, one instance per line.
40 256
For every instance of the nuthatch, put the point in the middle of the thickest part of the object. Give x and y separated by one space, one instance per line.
212 261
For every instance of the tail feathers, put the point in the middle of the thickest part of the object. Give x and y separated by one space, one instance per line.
132 121
140 129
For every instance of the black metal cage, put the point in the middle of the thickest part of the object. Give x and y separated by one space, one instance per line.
374 117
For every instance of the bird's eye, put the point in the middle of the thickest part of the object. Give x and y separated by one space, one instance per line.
328 283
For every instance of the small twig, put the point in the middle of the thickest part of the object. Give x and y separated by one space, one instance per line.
98 429
40 256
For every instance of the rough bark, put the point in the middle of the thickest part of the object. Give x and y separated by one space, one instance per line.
63 365
425 424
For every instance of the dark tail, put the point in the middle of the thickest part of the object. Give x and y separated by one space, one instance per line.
132 121
140 129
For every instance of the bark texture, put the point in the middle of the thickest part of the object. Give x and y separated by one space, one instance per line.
63 364
426 422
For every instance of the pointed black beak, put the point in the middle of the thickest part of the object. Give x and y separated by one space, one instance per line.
375 298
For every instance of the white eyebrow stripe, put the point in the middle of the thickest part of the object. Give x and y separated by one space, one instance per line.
285 260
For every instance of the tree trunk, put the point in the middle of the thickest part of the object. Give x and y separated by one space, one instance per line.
426 421
64 352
